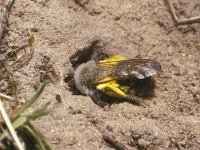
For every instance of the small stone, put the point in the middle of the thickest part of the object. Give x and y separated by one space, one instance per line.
74 111
109 128
143 143
58 98
194 89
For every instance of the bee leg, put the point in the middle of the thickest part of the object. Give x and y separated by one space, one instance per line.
114 87
97 98
114 58
120 93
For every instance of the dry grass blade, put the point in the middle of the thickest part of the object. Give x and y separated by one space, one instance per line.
10 127
26 58
116 141
40 112
5 97
4 13
175 18
22 124
23 119
39 137
17 123
26 105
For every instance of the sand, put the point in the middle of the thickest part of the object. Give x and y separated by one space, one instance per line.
133 29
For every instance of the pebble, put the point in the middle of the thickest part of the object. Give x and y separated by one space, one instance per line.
143 143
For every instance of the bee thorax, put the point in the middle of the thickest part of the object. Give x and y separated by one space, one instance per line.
83 77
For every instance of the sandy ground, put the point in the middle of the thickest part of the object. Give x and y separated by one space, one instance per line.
129 28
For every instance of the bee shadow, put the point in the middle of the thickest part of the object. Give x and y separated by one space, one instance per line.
93 51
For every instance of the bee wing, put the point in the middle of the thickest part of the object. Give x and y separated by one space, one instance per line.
128 69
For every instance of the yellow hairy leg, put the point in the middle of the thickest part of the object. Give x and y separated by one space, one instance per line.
114 87
109 83
114 59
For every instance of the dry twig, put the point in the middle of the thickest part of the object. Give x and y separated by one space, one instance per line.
116 141
175 18
5 6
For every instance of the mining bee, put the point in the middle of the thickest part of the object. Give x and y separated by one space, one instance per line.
116 78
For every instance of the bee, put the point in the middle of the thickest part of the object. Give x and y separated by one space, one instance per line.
115 78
